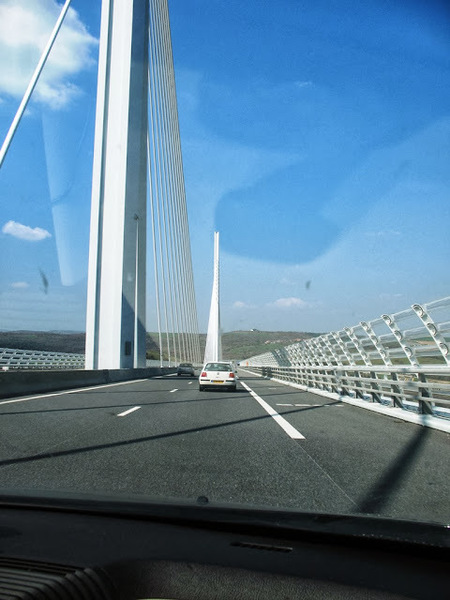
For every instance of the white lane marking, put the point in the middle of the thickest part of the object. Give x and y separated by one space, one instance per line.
74 391
287 427
190 383
127 412
308 405
175 390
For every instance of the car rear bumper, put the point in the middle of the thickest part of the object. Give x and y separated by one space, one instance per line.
216 383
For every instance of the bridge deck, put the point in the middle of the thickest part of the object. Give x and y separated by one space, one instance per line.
164 438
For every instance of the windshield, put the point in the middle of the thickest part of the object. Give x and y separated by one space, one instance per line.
313 137
217 367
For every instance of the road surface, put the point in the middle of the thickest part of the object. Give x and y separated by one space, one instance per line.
267 444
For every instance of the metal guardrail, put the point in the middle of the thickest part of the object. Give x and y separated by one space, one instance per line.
400 360
35 359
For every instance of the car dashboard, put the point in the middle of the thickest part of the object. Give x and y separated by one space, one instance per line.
86 549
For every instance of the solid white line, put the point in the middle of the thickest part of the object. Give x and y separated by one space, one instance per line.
175 390
285 405
73 391
287 427
127 412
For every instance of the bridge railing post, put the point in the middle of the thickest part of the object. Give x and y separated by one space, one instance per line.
425 406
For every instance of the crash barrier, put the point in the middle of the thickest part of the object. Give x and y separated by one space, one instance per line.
20 383
34 359
400 361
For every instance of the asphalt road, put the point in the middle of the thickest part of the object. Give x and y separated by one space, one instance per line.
266 445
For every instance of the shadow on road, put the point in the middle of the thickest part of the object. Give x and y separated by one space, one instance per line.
384 489
109 406
150 438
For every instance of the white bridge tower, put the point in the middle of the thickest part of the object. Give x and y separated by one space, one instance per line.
213 349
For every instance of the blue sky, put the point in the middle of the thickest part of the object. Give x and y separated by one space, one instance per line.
315 138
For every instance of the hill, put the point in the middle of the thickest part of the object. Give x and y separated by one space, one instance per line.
243 344
235 344
46 341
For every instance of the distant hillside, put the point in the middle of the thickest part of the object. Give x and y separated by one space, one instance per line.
235 344
47 341
50 341
243 344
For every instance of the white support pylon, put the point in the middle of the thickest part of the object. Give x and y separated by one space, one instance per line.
115 323
213 349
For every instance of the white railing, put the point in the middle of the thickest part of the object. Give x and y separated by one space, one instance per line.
400 360
34 359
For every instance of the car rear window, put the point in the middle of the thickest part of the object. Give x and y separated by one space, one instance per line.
218 367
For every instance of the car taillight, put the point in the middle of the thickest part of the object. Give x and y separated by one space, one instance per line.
203 374
231 375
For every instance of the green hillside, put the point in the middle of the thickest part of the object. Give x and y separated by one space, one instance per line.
235 344
243 344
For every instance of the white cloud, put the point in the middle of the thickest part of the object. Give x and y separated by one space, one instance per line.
384 233
25 28
239 304
288 281
292 302
23 232
20 285
387 296
302 84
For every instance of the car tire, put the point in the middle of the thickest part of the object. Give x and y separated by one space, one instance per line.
200 388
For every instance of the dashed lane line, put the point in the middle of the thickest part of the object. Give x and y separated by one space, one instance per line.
287 427
127 412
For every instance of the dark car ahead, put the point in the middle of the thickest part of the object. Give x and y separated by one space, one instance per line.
186 369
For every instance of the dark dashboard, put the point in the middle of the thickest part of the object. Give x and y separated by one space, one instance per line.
79 548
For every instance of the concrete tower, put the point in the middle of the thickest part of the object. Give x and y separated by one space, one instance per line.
115 324
213 350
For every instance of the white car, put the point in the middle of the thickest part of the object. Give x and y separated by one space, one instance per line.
217 374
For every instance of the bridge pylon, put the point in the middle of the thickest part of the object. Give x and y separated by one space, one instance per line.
115 324
213 349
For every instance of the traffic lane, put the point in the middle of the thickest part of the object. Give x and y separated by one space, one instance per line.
386 465
237 455
38 423
280 393
214 443
31 440
109 396
55 398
